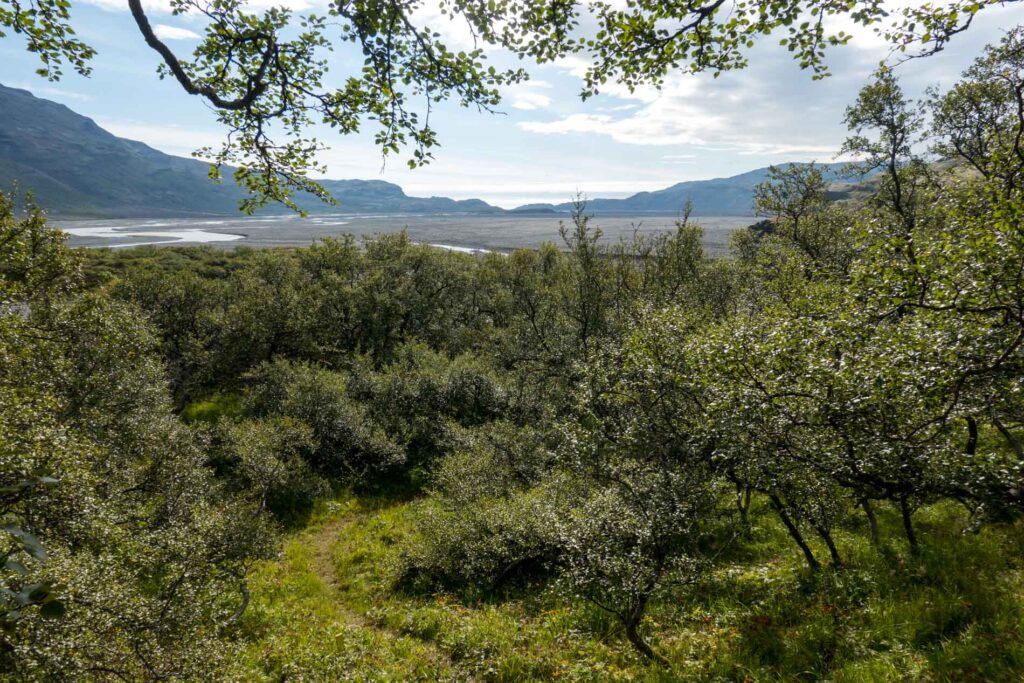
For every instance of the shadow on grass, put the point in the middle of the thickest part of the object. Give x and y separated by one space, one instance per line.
954 612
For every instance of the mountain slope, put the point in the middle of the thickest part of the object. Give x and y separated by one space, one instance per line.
74 167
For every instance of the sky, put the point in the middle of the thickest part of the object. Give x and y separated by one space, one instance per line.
545 145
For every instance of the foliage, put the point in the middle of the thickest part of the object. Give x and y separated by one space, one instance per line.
979 118
488 525
345 442
125 554
804 460
264 459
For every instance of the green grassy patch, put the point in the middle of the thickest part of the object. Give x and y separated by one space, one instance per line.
213 407
328 609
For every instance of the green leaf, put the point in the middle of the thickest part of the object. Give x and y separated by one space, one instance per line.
15 566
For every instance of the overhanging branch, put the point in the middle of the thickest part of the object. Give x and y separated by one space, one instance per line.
257 84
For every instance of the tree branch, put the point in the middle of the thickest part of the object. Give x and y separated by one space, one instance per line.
257 84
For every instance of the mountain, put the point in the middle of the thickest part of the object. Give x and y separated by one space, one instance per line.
74 167
733 196
378 196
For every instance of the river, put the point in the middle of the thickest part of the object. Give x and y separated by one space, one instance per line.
501 232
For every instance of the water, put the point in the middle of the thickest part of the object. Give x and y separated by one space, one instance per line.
502 232
114 235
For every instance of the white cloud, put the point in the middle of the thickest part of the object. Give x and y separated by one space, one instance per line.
573 65
578 67
870 38
166 32
455 32
170 138
771 109
656 125
40 89
674 120
529 101
784 149
670 117
525 96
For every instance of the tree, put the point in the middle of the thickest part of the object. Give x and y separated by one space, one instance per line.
791 193
640 472
585 280
103 487
263 459
36 269
955 271
801 221
347 444
266 74
981 119
882 107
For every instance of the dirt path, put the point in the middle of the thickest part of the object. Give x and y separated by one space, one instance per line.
324 542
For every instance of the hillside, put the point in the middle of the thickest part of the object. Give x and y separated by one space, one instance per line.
74 167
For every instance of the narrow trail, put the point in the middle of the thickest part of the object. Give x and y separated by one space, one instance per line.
326 544
323 543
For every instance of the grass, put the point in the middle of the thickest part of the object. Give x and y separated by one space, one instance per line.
328 610
213 407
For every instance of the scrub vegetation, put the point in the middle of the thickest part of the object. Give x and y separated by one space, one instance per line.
383 461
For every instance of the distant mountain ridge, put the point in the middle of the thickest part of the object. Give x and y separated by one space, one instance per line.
384 197
74 167
732 196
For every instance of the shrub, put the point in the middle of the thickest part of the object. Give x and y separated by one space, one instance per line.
267 459
350 446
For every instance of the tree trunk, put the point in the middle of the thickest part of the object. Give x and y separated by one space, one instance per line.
908 525
243 588
869 512
833 552
812 561
972 436
1009 437
641 645
743 503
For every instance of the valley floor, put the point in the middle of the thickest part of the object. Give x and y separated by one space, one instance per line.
328 610
501 232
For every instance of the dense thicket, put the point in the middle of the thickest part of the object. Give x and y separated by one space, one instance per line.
595 418
123 554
